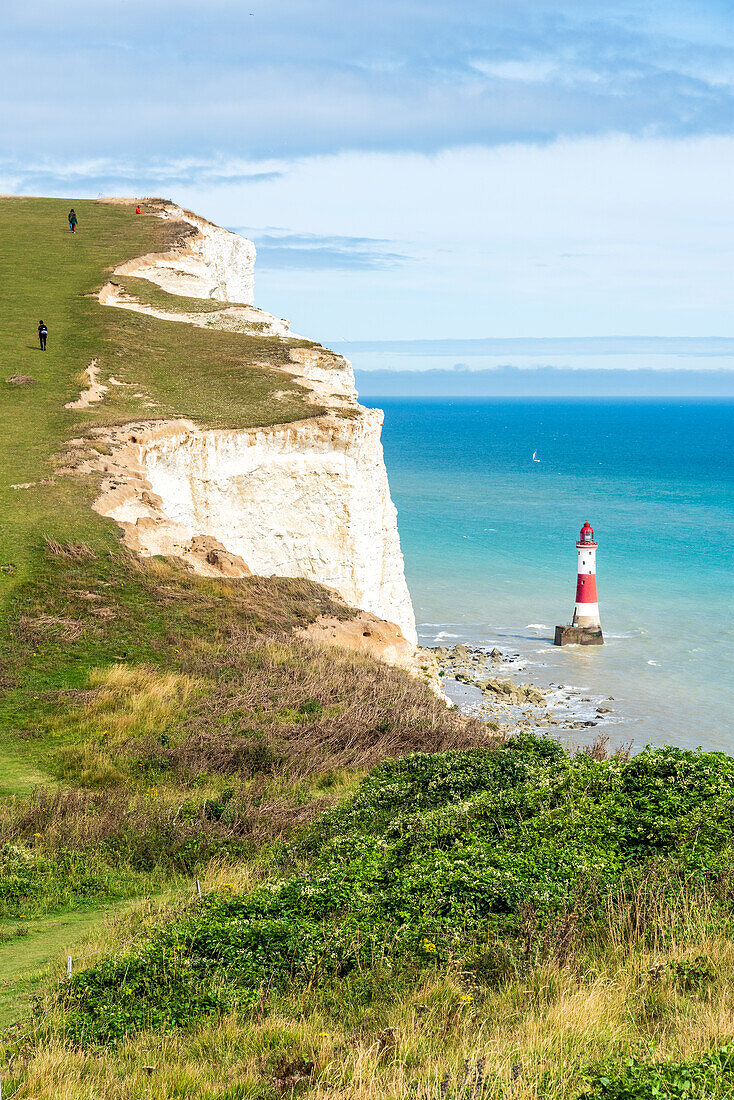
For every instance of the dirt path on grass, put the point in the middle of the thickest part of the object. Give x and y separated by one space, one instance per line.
94 392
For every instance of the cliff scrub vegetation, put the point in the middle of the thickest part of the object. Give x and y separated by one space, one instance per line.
486 861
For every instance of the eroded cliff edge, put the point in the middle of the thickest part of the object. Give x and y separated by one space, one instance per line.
305 499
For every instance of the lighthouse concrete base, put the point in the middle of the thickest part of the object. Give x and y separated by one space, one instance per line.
578 635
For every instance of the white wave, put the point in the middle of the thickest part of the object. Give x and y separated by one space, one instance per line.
445 634
656 663
536 626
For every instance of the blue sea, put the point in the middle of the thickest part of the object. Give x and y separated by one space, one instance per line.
488 537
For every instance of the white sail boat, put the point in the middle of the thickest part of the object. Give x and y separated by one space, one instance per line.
535 457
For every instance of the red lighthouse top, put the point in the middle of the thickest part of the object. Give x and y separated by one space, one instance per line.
586 538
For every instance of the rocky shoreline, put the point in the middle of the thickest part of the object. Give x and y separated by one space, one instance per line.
505 703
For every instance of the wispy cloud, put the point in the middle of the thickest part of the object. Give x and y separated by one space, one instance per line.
477 166
510 381
286 251
104 174
294 79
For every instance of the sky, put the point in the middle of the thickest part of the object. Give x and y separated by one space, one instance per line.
409 169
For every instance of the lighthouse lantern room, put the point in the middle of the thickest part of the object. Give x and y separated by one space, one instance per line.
586 626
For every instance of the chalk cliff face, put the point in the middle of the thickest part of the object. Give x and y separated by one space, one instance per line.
213 263
307 499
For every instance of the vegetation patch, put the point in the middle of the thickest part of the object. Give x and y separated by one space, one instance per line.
705 1078
488 860
151 294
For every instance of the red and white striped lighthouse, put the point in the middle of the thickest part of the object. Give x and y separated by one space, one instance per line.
586 626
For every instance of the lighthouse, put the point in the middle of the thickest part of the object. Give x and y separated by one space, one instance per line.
586 626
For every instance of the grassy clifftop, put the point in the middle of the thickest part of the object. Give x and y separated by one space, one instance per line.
167 369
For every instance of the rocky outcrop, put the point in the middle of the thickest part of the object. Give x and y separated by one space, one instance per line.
210 263
368 634
230 318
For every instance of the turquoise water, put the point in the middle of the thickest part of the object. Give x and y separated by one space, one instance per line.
488 537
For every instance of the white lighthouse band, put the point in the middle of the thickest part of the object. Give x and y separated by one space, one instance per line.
589 612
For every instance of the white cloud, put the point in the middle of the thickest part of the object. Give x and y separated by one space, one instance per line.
526 72
589 237
139 79
598 236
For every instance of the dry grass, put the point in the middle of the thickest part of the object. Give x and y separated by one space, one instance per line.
287 726
316 706
71 551
51 626
258 706
531 1039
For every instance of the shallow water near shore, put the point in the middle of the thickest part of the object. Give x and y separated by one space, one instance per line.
488 537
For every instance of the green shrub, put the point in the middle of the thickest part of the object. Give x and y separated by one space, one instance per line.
707 1078
693 975
494 858
32 883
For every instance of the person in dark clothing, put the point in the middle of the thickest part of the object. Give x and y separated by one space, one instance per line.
73 221
42 334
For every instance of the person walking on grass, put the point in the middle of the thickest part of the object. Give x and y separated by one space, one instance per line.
42 334
72 220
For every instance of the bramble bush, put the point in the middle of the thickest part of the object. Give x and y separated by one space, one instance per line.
710 1077
33 883
478 853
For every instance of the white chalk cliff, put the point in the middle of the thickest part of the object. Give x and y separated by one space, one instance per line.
306 499
212 263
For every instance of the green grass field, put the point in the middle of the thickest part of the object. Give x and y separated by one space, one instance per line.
394 904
